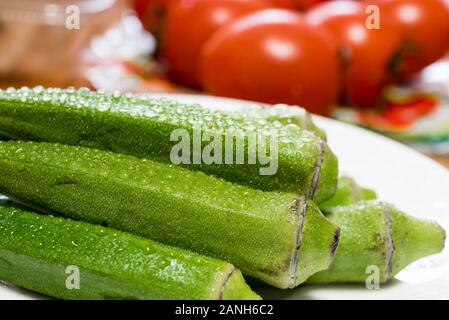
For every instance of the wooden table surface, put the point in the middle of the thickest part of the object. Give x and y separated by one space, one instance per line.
444 160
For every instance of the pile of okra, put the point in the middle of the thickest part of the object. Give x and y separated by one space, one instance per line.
119 196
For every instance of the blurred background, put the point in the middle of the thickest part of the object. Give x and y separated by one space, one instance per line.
379 64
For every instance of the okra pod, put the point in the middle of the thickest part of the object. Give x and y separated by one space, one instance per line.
348 192
75 260
277 237
279 115
297 160
377 236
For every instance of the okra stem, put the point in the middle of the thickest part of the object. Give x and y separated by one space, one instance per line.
75 260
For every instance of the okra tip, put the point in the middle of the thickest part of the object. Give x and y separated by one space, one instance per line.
414 239
376 234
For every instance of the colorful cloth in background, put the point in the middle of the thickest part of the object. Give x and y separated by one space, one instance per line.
416 116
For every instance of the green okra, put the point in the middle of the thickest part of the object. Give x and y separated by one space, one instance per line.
279 115
297 160
348 192
41 252
374 233
277 237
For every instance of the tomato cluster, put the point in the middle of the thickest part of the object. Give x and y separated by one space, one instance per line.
314 53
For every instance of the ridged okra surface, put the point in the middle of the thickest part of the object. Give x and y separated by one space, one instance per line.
76 260
277 237
143 127
279 115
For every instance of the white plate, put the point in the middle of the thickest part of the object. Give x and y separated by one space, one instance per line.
400 175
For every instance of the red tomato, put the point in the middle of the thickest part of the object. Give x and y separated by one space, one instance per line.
301 5
152 14
368 52
425 28
190 23
273 56
330 9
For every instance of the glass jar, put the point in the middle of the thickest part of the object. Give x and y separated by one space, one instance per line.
41 41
